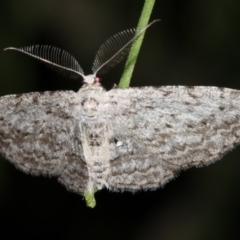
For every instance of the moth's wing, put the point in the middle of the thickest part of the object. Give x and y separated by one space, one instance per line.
156 132
37 132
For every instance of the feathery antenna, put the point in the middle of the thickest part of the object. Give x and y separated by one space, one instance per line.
115 49
55 58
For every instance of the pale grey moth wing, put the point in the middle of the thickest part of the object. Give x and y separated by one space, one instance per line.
160 131
39 134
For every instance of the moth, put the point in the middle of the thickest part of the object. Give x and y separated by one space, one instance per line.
122 139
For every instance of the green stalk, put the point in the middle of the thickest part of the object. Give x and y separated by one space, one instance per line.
135 48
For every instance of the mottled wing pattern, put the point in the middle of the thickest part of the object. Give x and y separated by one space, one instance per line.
160 131
37 134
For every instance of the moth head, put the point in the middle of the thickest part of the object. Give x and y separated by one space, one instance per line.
91 79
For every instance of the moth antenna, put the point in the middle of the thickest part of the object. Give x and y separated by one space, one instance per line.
55 58
114 50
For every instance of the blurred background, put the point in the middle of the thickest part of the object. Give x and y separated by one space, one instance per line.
196 43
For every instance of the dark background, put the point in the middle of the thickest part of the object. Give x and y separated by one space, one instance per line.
196 43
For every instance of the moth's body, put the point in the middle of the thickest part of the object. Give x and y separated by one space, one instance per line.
94 134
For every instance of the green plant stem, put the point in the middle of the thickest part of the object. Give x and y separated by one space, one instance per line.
90 200
133 54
